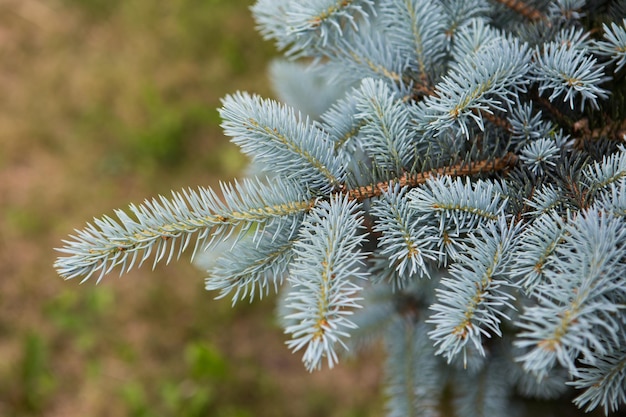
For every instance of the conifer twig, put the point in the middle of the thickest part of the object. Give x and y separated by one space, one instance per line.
413 180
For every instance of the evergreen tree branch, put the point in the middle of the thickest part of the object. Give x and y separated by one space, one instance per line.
309 28
385 133
275 134
575 317
614 46
535 247
328 257
345 138
598 176
407 244
164 223
470 303
417 29
570 73
455 207
484 80
161 225
252 266
603 382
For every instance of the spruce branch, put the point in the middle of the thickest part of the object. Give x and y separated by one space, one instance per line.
365 55
340 122
254 266
417 29
162 224
545 199
535 247
328 258
612 169
453 208
471 302
560 118
474 38
541 155
321 16
309 28
614 46
407 244
569 73
385 130
461 14
613 200
526 125
163 227
603 381
482 82
460 204
274 134
377 69
574 317
352 133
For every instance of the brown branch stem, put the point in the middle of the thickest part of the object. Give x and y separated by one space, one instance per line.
495 120
613 130
522 8
413 180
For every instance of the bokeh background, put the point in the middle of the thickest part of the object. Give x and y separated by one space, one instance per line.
103 103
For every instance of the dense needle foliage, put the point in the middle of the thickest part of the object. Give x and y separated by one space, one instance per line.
446 175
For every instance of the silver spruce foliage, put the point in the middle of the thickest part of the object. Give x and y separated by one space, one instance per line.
447 176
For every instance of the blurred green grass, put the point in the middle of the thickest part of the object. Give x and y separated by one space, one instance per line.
107 102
